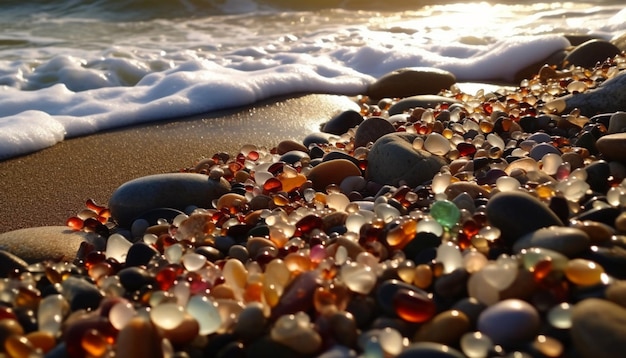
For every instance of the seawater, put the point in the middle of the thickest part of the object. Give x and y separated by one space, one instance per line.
72 68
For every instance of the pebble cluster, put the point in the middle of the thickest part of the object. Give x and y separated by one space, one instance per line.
513 247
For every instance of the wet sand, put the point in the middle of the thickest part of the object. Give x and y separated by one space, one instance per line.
47 187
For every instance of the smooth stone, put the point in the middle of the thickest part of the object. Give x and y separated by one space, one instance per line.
425 101
153 216
568 241
612 259
605 215
429 350
139 338
617 123
446 327
538 151
288 145
337 154
598 233
509 322
463 187
411 81
590 52
540 137
134 278
139 254
392 160
370 130
266 347
607 97
47 243
294 156
332 172
613 147
598 328
81 294
517 214
251 322
10 263
342 122
616 292
316 138
171 190
598 174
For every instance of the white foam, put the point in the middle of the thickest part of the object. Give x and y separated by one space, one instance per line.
106 75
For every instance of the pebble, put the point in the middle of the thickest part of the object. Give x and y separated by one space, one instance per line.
406 82
392 159
41 243
332 172
522 319
446 328
517 214
613 147
566 240
591 52
425 101
342 122
605 98
431 350
372 129
172 190
598 328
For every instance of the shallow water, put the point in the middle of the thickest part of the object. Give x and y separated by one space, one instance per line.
72 68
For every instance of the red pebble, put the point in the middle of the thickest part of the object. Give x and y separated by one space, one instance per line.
413 306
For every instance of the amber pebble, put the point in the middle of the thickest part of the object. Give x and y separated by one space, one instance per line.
185 332
272 185
413 306
446 328
331 299
75 223
94 343
43 341
584 272
19 346
230 200
290 183
9 327
332 172
289 145
139 338
423 276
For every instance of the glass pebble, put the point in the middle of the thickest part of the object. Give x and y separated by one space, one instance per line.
423 277
204 310
449 255
584 272
354 222
167 315
495 140
474 261
94 343
476 345
437 144
117 247
440 182
560 316
359 277
337 201
173 253
445 212
50 313
121 313
413 306
551 163
193 261
507 183
616 196
386 212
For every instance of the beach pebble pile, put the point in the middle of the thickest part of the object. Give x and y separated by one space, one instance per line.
452 225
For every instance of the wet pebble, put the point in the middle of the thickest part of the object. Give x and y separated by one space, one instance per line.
567 240
411 81
509 322
598 328
332 172
342 122
371 129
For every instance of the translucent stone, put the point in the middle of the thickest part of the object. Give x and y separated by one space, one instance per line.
474 261
440 182
563 171
445 212
121 313
193 261
341 256
117 247
406 271
423 276
437 144
390 341
476 345
235 274
501 273
534 255
359 277
616 196
507 183
430 225
337 201
173 253
449 255
479 288
576 86
495 140
372 348
181 291
205 311
51 312
584 272
548 346
573 189
579 174
167 315
296 331
490 233
354 222
386 212
413 306
418 143
551 163
276 273
560 316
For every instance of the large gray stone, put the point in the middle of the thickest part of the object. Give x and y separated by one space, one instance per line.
172 190
517 214
411 81
568 241
608 97
47 243
392 159
425 101
598 329
613 146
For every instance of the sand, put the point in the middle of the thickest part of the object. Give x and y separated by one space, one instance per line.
49 186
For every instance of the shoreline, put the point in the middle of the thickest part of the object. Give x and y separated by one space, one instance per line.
47 187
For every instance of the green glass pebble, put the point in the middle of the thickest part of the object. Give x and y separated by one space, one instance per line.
445 212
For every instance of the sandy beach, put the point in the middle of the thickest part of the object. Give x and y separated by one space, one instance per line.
47 187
